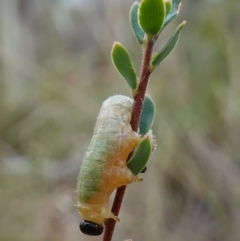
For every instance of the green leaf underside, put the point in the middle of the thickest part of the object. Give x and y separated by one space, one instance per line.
147 116
168 47
173 13
151 14
140 156
123 64
138 32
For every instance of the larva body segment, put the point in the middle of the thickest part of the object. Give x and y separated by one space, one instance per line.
104 165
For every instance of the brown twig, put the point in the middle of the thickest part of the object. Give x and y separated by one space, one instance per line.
136 113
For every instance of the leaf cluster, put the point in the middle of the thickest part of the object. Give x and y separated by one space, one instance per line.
148 19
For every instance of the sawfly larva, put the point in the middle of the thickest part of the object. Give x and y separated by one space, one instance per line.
104 166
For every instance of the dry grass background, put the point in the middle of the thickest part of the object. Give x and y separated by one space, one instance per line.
55 70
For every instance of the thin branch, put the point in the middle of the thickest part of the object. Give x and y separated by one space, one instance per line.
144 77
136 113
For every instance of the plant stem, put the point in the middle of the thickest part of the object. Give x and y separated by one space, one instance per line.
144 77
136 113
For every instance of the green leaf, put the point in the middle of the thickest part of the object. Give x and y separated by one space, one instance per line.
123 64
176 4
138 32
147 116
168 47
168 6
140 156
151 15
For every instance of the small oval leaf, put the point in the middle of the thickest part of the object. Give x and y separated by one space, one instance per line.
151 15
168 6
123 64
147 116
168 47
176 4
138 32
140 156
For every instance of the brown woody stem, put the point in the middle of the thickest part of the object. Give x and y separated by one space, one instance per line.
136 113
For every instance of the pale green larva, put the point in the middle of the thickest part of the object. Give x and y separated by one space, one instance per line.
104 166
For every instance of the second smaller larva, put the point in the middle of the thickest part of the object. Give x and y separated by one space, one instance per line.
104 166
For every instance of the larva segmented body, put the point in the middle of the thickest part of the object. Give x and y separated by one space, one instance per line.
104 166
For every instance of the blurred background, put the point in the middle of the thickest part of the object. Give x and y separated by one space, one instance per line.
55 71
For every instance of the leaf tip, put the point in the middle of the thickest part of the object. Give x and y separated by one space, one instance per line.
116 44
135 3
184 23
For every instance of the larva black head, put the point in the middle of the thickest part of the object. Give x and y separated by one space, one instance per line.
90 228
